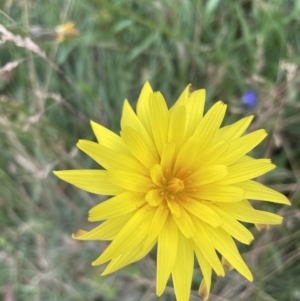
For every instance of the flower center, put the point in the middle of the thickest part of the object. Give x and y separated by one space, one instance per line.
174 185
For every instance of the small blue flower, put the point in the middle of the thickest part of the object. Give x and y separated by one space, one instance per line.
249 98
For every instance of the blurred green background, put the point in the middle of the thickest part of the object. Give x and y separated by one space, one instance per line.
49 94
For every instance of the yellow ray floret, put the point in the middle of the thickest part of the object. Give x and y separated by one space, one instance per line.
178 180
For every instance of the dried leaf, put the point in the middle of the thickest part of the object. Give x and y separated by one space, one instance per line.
20 42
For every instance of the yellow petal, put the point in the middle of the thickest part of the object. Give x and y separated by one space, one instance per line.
195 107
157 175
119 205
226 264
245 159
202 211
185 223
218 193
156 225
108 138
167 158
127 258
166 254
240 147
187 155
257 191
177 126
203 290
183 268
155 197
94 181
233 227
129 180
160 120
173 205
79 233
130 120
244 212
106 231
130 235
203 242
142 107
211 156
210 124
145 153
206 269
247 170
108 158
206 175
225 245
261 227
235 130
183 98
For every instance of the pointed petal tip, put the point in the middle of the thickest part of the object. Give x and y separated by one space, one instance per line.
248 276
221 272
203 291
91 217
78 234
282 199
159 292
126 103
94 263
79 143
226 264
94 124
189 86
147 83
262 227
220 103
104 273
286 201
59 173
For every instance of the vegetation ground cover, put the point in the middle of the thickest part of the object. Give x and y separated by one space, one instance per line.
48 97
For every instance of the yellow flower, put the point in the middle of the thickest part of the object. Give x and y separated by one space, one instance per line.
59 33
66 30
180 181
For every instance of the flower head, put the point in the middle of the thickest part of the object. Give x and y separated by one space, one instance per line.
249 98
66 30
179 181
59 33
